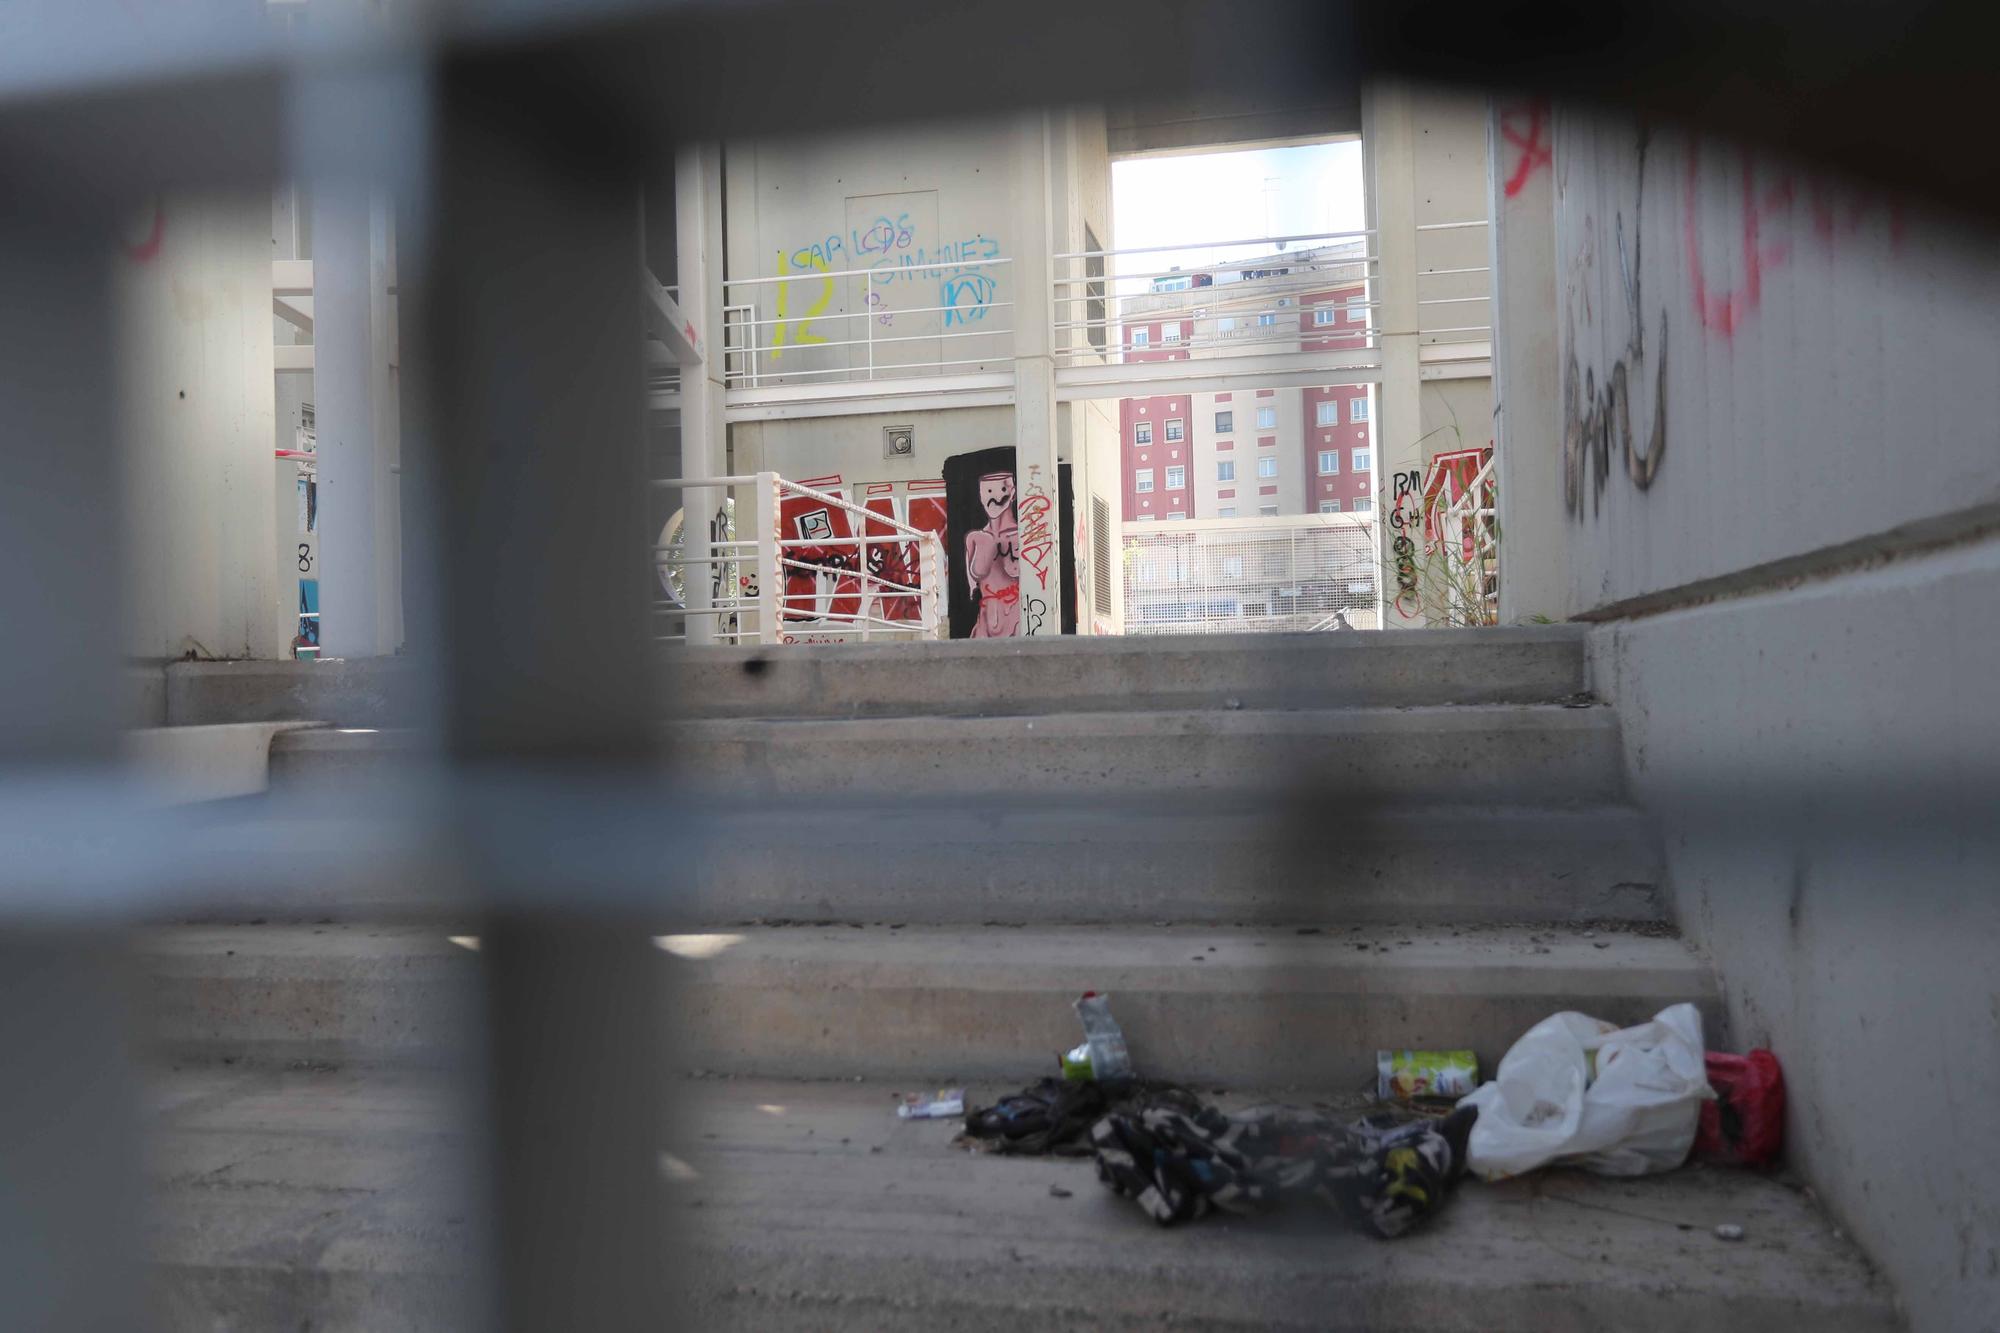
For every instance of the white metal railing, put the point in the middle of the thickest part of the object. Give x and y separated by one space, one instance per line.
1456 292
1467 530
1244 302
1264 301
1217 576
814 567
823 325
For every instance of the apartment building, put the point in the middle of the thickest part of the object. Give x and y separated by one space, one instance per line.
1269 452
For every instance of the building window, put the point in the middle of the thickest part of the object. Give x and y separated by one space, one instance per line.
1141 337
1329 462
1142 480
1227 511
1267 511
1175 430
1170 333
1147 518
1360 460
1327 412
1226 471
1225 422
1267 418
1357 408
1267 467
1329 506
1176 478
1142 433
1324 315
1232 566
1363 503
1225 325
1176 514
1266 319
1357 308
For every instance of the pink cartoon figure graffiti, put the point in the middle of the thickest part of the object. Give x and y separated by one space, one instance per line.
993 560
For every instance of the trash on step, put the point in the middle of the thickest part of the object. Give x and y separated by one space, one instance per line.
944 1104
1411 1075
1054 1116
1385 1175
1058 1192
1103 1046
1729 1231
1583 1092
1745 1124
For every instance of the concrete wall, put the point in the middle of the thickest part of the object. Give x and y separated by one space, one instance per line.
1428 174
1822 762
1527 363
894 200
195 395
1104 465
1819 367
1790 552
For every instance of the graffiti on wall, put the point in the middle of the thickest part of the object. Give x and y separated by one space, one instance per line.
1766 199
1525 129
1406 517
982 543
1598 413
894 254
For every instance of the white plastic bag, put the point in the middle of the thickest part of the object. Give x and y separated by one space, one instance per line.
1576 1090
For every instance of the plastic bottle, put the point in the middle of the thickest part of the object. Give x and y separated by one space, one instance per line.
1109 1057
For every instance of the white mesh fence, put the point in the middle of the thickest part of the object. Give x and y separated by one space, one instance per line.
1216 576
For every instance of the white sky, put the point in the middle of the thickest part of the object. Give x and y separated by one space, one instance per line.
1231 196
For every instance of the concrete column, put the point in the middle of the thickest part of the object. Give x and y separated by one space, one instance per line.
699 263
1388 133
1035 464
1527 375
350 380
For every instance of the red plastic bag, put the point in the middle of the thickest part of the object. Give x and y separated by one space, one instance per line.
1745 1124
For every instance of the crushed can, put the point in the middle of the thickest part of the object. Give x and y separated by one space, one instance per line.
1406 1076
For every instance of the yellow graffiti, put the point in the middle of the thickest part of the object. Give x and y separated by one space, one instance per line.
800 330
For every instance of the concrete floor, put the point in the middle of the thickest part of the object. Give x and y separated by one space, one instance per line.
336 1199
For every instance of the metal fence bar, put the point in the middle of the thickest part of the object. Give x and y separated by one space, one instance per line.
69 1148
529 326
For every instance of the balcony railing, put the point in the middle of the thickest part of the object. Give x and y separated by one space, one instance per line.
820 325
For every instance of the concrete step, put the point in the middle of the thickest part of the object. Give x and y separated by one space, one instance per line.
1238 1006
1194 860
1101 675
1502 753
1490 753
1530 664
340 1200
1201 859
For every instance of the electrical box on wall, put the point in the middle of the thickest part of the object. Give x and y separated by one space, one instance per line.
899 441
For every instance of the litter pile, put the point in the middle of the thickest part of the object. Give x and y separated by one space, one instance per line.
1573 1091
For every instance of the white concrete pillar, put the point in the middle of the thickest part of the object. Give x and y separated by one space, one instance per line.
1527 368
699 265
351 398
1388 134
1037 492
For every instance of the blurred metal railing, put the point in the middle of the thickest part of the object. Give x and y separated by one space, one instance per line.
1220 576
845 571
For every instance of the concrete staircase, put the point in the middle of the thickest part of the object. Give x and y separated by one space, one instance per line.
1277 854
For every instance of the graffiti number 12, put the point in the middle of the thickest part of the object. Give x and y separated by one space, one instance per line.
800 330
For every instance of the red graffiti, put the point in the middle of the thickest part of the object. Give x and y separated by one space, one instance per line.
1536 150
146 251
1037 541
1723 312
